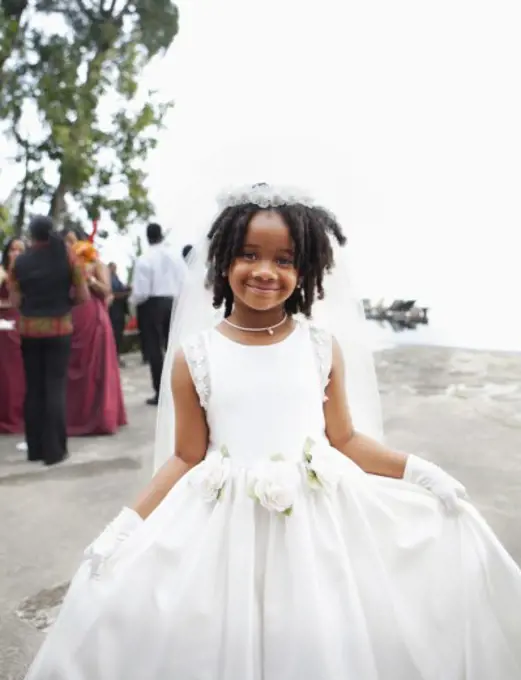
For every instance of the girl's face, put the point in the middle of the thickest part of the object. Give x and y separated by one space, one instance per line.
70 238
263 276
16 248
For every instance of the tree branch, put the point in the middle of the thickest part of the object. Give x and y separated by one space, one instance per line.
20 140
124 10
107 13
20 213
83 8
11 42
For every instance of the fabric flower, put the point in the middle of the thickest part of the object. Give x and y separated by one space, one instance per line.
320 472
274 486
211 475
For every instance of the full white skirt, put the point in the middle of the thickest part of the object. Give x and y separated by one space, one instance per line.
371 581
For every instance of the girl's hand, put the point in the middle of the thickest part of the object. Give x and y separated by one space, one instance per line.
107 544
436 480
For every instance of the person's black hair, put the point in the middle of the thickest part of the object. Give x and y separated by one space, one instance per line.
187 250
5 251
311 229
40 228
154 233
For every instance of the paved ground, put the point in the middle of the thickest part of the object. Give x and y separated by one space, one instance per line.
460 408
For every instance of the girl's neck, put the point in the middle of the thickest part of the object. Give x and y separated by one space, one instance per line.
251 318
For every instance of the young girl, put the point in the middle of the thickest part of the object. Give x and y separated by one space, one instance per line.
262 549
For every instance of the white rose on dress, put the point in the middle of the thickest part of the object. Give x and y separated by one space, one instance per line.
210 477
321 473
274 488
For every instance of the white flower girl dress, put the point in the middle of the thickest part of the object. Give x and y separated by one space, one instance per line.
277 558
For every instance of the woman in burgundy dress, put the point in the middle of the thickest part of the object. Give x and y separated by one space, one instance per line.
12 378
94 395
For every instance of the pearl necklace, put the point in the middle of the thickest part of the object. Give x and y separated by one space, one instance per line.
268 329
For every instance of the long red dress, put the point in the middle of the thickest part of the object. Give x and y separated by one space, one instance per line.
12 378
94 395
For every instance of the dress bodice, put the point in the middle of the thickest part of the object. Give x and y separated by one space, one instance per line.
264 400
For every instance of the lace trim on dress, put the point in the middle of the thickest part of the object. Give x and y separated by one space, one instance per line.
197 359
323 344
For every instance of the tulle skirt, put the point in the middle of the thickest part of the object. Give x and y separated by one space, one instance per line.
366 579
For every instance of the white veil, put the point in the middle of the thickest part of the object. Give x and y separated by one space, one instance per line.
340 313
192 313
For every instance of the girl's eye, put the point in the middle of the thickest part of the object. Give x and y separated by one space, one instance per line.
285 262
249 256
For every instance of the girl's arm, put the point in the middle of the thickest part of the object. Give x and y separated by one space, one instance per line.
375 458
191 439
368 454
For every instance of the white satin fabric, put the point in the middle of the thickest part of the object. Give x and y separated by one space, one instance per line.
366 579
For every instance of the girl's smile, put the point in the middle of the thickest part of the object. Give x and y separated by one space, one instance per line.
263 276
262 289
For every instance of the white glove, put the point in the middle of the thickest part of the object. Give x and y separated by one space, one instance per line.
440 483
111 539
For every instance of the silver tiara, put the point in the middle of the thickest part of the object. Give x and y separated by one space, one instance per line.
264 195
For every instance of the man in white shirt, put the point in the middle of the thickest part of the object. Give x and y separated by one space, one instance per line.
158 277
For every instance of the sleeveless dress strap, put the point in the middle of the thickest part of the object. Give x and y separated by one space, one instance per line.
323 346
196 353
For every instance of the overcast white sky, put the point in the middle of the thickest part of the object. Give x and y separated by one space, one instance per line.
405 116
408 113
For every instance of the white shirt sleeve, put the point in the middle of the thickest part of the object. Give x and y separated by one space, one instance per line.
141 284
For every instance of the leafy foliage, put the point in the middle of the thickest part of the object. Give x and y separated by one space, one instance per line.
70 100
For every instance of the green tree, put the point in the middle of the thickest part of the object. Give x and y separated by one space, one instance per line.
6 222
82 84
11 29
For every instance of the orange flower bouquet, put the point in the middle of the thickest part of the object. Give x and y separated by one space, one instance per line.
85 252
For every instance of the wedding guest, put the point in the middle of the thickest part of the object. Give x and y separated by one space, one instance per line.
12 381
118 309
158 277
40 285
186 251
95 398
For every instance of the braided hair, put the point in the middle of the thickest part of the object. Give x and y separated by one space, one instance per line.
311 229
